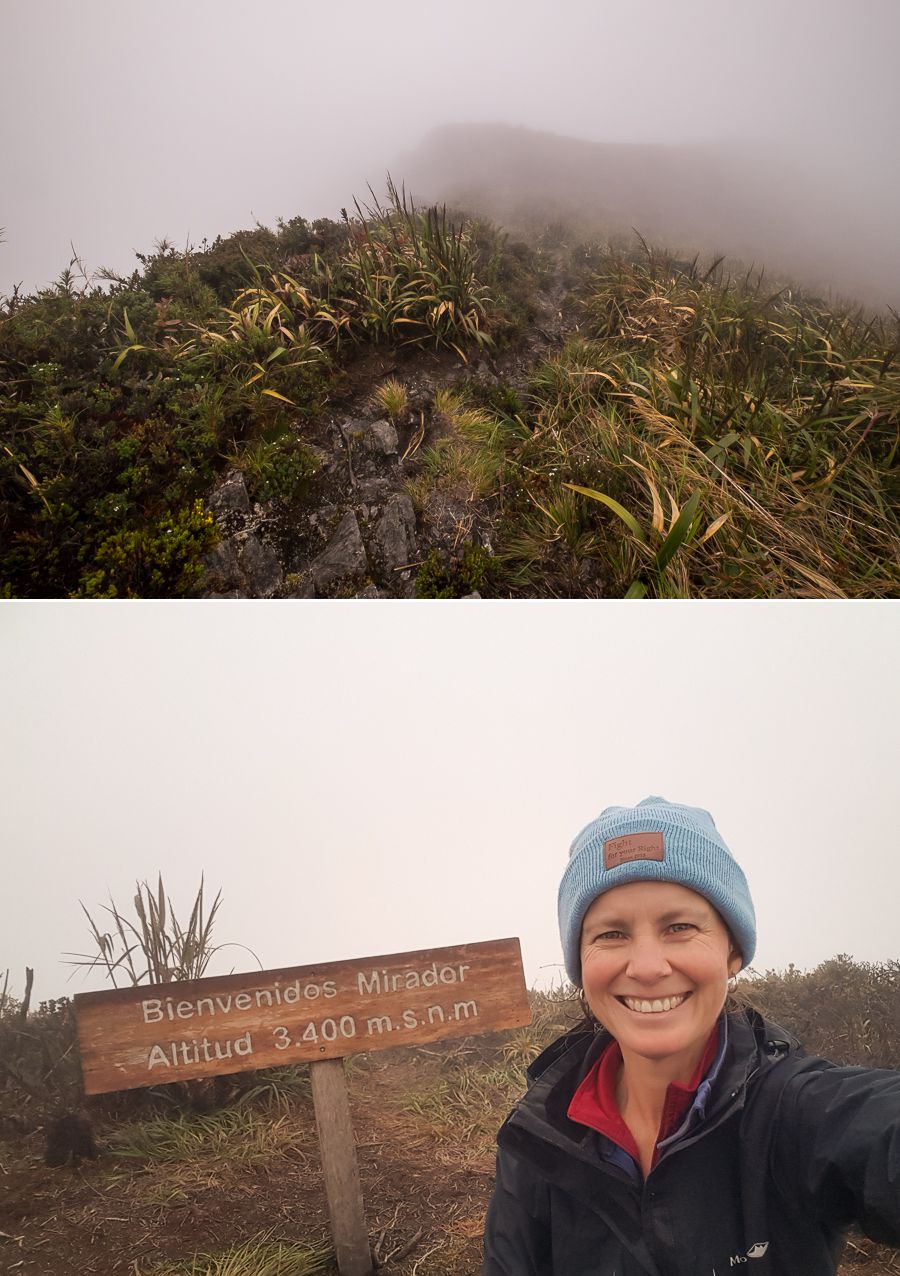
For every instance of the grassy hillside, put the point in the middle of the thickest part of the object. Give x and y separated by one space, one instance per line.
578 419
208 1181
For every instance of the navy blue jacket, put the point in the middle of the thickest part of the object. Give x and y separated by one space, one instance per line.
788 1152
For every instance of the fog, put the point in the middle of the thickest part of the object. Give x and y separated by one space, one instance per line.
361 782
766 131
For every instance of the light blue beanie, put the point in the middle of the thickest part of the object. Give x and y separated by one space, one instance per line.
655 841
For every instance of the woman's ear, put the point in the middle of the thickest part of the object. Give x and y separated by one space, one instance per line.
735 956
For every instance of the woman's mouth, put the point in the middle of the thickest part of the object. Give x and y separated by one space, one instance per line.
655 1007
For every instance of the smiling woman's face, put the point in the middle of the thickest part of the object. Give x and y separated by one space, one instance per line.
655 961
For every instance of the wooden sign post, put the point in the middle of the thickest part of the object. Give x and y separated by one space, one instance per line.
141 1036
337 1148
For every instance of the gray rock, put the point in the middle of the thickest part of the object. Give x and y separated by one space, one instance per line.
377 437
344 555
223 575
374 490
230 497
394 537
371 591
260 567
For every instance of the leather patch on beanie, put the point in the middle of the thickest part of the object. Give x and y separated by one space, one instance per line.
633 846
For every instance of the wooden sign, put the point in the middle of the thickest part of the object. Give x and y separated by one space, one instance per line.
153 1033
149 1034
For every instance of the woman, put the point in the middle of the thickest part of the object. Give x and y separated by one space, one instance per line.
678 1139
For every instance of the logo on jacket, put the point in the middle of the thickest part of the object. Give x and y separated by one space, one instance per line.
755 1251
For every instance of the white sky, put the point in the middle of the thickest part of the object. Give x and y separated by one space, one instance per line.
124 123
362 779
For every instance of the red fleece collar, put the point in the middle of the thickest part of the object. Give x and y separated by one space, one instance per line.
594 1102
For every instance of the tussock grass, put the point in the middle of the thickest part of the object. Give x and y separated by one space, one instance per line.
702 438
392 397
469 457
553 1012
260 1256
278 1088
236 1135
467 1102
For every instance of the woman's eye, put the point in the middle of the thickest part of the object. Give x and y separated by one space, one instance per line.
609 934
682 926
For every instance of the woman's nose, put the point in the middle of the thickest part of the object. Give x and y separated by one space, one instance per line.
647 961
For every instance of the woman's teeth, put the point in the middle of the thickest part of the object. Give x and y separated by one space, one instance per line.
654 1007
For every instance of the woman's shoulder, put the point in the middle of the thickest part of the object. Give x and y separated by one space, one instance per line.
803 1085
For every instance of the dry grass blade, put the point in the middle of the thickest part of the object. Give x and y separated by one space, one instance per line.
259 1256
416 438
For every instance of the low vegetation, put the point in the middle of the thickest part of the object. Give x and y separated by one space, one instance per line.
236 1134
698 437
391 397
118 408
259 1256
678 430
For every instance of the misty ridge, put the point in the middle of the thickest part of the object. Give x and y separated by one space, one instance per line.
537 367
759 204
800 216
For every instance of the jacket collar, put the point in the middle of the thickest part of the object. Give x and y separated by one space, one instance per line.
559 1070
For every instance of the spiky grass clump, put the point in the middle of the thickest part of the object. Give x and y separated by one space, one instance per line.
414 275
470 454
237 1135
405 275
469 1102
155 947
278 1088
259 1256
5 998
553 1012
257 341
392 397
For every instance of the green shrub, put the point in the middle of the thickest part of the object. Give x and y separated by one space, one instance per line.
39 1064
845 1010
159 560
453 576
277 470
